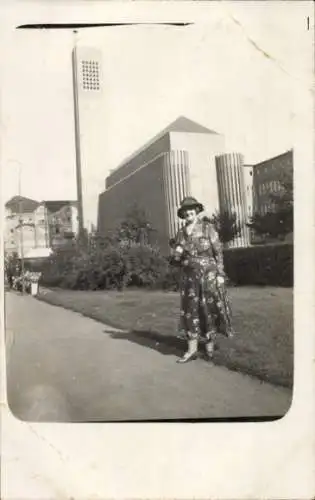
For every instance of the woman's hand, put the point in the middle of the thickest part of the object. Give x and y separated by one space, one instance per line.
220 280
204 216
179 250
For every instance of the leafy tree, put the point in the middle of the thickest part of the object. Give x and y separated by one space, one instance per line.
272 224
135 227
278 222
12 263
226 225
283 200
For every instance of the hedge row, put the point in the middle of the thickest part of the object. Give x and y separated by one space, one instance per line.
261 265
115 266
141 265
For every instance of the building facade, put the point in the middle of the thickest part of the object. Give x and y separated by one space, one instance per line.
61 220
267 177
19 213
156 188
30 224
248 190
179 162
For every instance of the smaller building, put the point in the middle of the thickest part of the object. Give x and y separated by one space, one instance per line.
19 212
30 224
61 220
267 177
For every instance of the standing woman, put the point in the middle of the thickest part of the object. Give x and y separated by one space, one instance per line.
204 310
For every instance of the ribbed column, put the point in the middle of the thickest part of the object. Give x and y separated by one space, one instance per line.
172 195
167 188
176 186
231 190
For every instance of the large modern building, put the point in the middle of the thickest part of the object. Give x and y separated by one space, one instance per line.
178 162
31 225
267 177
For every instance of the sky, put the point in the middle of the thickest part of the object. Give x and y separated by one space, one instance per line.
237 71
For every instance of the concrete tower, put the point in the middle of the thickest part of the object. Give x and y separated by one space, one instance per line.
89 115
231 190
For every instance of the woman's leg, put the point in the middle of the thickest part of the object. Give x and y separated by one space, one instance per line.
190 323
209 313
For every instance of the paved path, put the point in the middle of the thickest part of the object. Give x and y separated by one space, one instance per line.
65 367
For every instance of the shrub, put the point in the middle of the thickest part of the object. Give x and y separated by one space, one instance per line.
134 264
115 266
260 265
145 265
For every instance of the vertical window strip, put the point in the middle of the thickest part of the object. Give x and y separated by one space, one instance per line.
172 193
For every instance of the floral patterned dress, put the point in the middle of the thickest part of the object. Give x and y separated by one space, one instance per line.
205 309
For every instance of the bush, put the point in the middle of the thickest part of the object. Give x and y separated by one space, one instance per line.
145 265
141 265
115 266
260 265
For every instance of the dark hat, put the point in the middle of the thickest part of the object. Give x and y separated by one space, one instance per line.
188 203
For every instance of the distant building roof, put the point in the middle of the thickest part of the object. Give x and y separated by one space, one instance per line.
181 124
55 205
286 153
21 204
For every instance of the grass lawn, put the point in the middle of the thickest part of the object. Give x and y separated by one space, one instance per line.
263 320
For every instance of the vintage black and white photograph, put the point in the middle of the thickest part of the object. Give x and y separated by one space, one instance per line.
148 226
